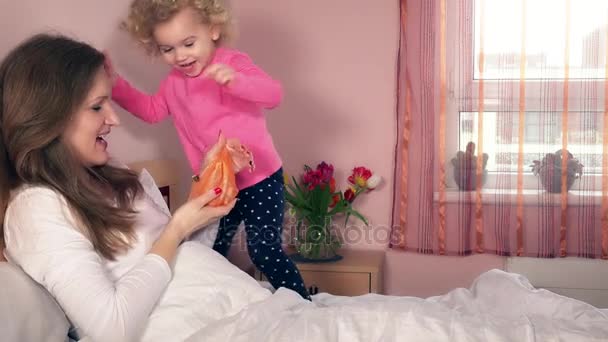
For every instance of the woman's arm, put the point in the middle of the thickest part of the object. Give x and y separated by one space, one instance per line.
44 240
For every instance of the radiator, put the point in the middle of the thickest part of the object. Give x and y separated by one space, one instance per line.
579 278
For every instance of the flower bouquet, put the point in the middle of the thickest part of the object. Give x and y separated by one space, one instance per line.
314 201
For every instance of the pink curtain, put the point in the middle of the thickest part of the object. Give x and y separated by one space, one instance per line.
487 89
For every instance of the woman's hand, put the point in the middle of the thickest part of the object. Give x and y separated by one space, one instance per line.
187 219
195 214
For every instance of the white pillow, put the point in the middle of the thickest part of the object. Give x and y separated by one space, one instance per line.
206 235
27 311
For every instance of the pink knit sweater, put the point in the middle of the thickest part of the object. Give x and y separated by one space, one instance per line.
201 108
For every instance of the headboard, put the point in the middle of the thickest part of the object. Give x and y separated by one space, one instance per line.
165 174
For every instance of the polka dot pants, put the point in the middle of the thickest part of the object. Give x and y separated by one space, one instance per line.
261 208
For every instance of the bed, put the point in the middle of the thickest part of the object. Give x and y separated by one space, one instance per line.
210 299
229 305
491 310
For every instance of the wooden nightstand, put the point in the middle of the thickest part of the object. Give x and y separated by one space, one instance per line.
358 273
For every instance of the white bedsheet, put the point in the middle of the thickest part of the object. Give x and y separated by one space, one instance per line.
210 300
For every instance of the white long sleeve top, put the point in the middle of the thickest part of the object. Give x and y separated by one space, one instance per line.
104 300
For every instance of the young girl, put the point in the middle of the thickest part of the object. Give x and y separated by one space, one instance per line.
214 89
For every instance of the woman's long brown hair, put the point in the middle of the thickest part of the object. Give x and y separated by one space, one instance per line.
42 83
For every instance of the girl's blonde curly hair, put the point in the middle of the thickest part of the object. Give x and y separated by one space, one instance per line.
144 15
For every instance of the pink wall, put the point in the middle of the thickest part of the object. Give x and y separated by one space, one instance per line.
337 61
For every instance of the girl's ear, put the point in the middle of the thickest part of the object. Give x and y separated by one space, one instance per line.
215 32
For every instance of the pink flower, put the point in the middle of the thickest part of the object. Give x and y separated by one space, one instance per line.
312 178
326 170
323 175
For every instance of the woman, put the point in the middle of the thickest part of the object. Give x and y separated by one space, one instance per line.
86 230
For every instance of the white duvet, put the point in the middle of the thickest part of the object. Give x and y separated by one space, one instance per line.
211 300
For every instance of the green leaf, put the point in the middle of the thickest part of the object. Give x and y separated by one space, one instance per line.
358 215
295 192
346 219
340 207
297 185
296 196
295 201
320 199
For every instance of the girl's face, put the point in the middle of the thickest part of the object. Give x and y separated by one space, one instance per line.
186 43
91 122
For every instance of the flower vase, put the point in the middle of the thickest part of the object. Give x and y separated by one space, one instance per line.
316 241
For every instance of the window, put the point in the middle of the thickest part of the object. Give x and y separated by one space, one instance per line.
545 38
544 74
542 135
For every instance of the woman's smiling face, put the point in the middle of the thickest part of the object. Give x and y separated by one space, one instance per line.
92 121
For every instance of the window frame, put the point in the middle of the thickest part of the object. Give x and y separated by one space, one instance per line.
457 102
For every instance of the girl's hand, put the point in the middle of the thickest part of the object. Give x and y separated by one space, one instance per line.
221 73
214 150
109 68
195 214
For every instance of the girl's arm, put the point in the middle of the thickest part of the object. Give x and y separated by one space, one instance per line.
253 84
149 108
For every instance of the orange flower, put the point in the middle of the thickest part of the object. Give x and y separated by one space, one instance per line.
334 200
332 185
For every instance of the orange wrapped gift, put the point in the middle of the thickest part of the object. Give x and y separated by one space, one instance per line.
227 158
